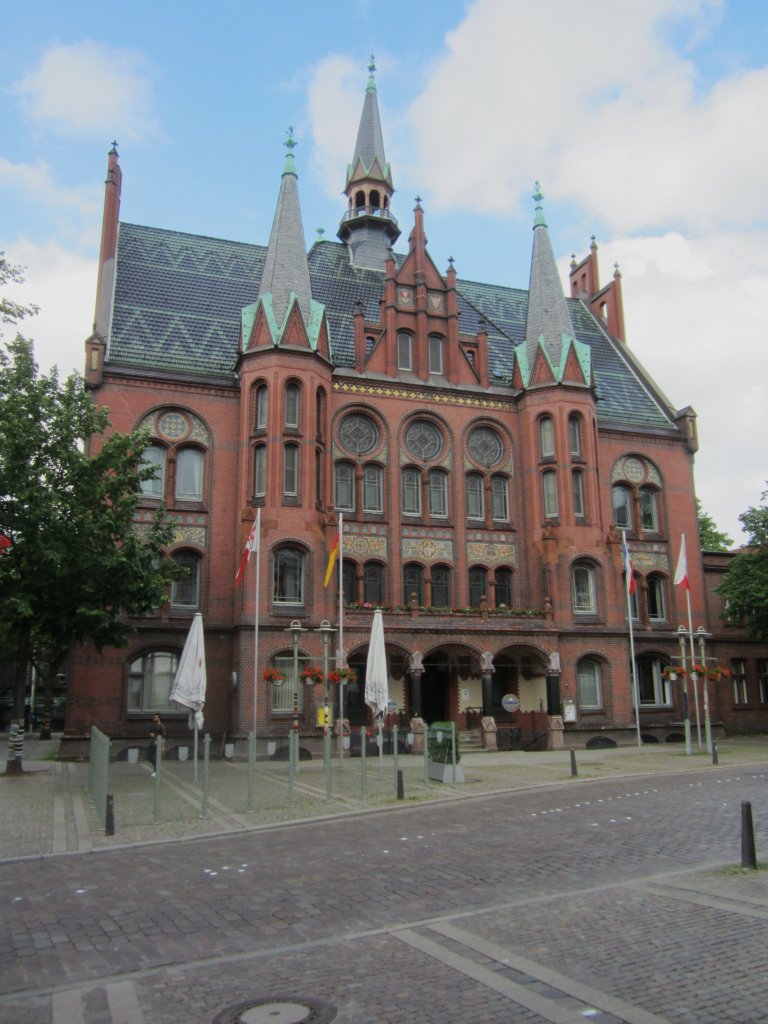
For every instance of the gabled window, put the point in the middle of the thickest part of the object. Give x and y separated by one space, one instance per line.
546 437
404 351
155 486
189 474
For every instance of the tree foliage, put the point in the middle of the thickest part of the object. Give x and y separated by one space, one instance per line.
11 312
710 538
77 564
745 587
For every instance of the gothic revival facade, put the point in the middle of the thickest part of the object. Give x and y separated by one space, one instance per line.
485 446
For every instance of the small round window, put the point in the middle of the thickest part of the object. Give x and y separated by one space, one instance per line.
423 440
485 446
358 433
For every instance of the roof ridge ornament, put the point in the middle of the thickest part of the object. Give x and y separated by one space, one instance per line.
538 220
290 144
371 70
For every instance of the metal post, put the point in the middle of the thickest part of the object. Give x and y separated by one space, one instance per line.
714 753
686 716
701 633
206 774
251 770
748 855
574 772
327 763
363 761
394 753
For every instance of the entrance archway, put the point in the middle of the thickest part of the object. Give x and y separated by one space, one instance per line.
436 688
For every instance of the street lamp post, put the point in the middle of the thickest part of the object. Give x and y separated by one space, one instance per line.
701 633
686 715
295 629
325 629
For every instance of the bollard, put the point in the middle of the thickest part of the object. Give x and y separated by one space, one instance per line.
574 772
748 855
109 827
714 752
400 786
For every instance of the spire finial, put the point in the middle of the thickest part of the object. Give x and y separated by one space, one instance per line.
371 69
538 220
290 144
114 147
418 202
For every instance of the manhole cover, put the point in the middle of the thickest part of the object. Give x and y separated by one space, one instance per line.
278 1011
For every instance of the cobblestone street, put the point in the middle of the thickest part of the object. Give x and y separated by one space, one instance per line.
610 900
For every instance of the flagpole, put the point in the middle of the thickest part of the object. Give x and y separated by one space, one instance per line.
256 631
340 651
694 674
627 585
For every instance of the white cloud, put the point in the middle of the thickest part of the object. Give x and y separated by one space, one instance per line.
63 284
36 182
91 89
334 105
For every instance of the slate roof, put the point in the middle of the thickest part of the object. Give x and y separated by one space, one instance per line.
178 299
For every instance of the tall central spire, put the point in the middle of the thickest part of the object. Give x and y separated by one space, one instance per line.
549 322
368 227
285 267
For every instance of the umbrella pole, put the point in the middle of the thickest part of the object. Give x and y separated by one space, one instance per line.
195 757
381 751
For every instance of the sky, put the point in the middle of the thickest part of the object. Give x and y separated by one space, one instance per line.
644 122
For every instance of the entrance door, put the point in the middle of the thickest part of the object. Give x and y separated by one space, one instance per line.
435 690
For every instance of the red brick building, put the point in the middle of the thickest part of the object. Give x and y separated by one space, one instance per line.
485 445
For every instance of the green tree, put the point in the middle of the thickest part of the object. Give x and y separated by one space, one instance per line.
74 564
710 538
12 312
745 587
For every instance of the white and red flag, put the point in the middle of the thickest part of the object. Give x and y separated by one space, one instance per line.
631 581
681 573
251 545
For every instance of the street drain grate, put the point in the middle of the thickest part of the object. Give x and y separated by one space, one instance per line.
278 1011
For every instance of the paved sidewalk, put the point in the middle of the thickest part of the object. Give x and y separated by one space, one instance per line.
52 811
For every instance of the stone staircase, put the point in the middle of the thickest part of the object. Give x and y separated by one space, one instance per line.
470 741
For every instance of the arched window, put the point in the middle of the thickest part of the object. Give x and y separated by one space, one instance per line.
288 577
546 437
649 517
150 678
411 492
549 486
622 507
375 200
259 471
185 592
478 585
373 583
291 470
404 351
577 488
503 580
360 201
441 586
413 584
373 489
438 493
657 606
344 486
262 406
320 414
589 689
583 595
291 419
500 498
155 486
349 581
189 474
574 434
436 346
475 496
655 690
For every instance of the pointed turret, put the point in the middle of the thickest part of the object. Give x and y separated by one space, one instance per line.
549 322
368 227
286 270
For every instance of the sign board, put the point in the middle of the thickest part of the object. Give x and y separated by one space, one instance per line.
569 711
510 702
